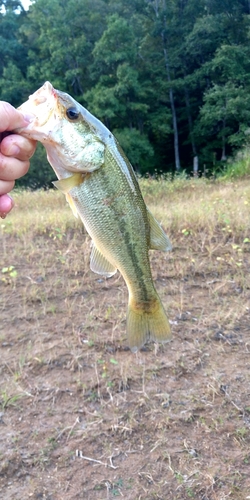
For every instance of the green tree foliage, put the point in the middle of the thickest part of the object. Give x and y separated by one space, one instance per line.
61 35
40 174
120 96
170 78
13 60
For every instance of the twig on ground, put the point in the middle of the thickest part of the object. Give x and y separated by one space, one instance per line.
79 454
68 428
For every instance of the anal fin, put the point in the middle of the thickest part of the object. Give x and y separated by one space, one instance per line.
100 265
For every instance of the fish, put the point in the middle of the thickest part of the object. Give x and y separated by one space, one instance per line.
101 188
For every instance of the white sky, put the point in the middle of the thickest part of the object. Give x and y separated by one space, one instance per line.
26 4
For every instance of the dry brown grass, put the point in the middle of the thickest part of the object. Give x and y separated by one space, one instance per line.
191 205
170 422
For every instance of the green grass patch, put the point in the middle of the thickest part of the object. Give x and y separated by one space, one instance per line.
239 166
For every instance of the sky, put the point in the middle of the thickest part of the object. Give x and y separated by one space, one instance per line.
26 4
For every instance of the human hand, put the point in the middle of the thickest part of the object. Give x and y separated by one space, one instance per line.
15 153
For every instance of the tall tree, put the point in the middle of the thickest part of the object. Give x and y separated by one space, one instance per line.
119 97
170 78
13 60
61 34
162 30
224 114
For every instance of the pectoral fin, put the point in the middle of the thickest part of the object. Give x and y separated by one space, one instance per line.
72 205
158 239
65 185
100 265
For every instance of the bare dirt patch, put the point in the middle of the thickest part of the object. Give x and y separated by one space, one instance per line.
83 417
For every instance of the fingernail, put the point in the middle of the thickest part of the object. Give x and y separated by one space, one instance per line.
13 150
29 117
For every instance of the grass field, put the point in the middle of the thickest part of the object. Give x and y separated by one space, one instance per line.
81 417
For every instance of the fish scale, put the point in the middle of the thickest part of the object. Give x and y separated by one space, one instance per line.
112 232
101 188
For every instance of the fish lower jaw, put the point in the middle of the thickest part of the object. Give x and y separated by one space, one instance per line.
35 134
29 134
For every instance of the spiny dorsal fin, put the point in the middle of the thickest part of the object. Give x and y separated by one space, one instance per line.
158 239
100 265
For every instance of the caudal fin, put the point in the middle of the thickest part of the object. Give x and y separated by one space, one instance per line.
145 326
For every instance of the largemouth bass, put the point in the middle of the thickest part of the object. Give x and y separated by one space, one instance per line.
102 189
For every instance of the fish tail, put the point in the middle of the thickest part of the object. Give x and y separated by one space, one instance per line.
147 323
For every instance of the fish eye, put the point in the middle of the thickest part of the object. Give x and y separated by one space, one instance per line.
72 113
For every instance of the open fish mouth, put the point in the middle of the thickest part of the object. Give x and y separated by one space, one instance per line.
42 104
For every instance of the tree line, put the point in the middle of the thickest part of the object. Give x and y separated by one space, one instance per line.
170 78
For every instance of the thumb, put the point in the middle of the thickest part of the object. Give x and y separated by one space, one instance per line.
11 118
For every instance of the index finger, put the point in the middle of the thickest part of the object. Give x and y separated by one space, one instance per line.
11 118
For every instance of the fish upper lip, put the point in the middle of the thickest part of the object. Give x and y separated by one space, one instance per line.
41 123
46 97
39 116
40 99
